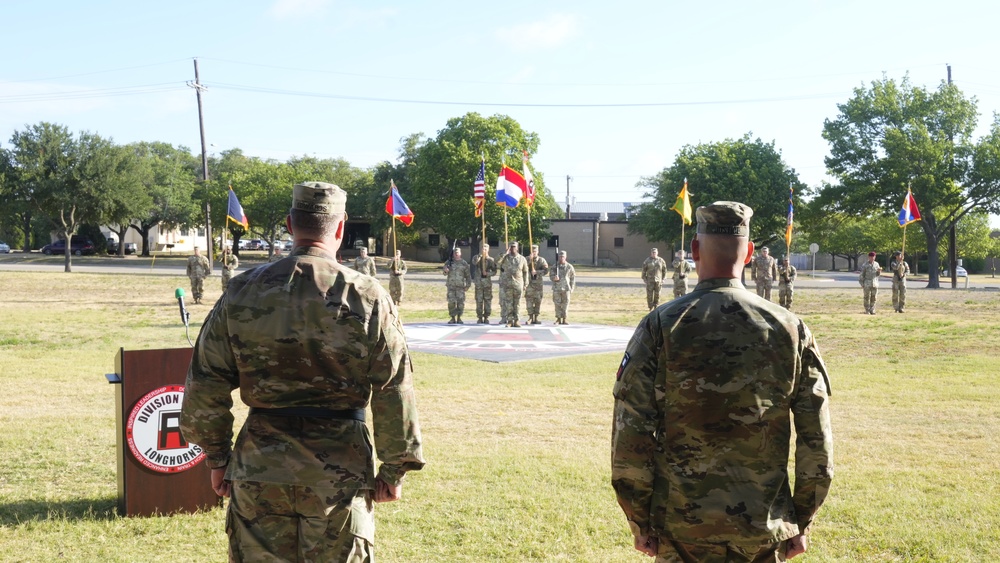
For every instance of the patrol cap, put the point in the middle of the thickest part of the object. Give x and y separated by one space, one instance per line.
896 253
512 243
765 249
534 247
562 253
319 197
724 218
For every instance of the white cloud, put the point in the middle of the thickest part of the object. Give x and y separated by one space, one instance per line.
553 31
283 9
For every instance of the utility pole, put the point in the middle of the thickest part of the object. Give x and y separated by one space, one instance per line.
210 247
952 251
567 196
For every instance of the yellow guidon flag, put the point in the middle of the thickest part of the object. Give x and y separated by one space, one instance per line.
683 204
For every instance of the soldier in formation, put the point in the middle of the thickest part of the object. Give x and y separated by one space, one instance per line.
703 421
364 264
654 269
868 279
484 267
900 269
458 279
301 477
764 270
229 264
397 269
563 277
538 267
682 269
276 255
786 283
198 269
513 282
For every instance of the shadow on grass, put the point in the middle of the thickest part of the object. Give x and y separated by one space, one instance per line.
16 513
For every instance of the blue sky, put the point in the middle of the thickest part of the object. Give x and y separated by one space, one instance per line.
339 78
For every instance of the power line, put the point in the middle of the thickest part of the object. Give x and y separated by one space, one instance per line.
92 93
92 73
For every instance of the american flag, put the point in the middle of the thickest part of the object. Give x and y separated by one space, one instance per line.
479 188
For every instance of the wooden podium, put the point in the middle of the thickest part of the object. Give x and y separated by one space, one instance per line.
158 471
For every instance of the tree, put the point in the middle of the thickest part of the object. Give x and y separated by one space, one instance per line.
746 170
891 136
266 195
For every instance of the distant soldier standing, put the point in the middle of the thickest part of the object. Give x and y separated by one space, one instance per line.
229 265
682 268
513 282
484 267
786 283
899 269
198 269
869 282
276 255
364 264
458 281
563 277
654 269
397 269
538 267
764 270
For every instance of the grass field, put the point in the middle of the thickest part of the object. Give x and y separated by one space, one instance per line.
518 454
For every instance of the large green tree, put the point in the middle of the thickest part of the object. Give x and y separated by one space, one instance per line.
893 135
168 180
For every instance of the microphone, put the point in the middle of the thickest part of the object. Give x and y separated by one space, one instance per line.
185 316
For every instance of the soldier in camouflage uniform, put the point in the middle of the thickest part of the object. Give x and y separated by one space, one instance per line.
397 269
764 270
364 264
459 278
702 421
484 267
537 268
198 269
654 269
229 265
682 269
310 344
869 282
513 282
786 283
563 277
900 269
276 255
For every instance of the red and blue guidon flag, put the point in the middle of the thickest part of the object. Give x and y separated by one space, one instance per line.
235 211
396 207
909 213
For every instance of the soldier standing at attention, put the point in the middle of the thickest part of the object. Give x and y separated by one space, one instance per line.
703 415
397 269
484 267
310 344
563 277
869 282
900 269
364 264
198 269
537 268
786 283
654 269
229 265
764 271
513 282
458 281
681 271
276 255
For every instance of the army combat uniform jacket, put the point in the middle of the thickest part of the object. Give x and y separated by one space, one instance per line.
304 332
702 421
365 265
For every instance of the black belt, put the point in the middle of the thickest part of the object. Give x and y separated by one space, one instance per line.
317 412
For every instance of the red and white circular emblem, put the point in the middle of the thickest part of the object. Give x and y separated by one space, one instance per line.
154 435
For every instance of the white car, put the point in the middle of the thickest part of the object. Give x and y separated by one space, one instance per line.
959 272
4 248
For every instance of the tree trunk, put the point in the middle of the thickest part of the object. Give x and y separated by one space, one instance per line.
26 225
933 281
68 252
143 230
833 262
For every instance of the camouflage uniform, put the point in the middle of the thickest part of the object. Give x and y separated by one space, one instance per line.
536 285
458 281
703 422
198 269
397 269
229 265
900 269
275 256
869 281
786 285
563 277
322 342
484 285
513 282
681 269
365 265
653 272
764 270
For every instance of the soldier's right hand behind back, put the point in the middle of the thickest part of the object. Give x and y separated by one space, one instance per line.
384 492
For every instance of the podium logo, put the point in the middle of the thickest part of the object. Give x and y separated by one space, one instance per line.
154 435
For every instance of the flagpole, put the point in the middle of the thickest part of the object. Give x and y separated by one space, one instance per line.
531 241
683 253
506 237
482 217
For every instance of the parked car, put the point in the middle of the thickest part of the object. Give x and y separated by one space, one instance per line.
289 245
4 248
80 246
256 244
130 247
959 272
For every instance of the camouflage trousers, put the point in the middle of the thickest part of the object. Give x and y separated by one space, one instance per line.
272 522
456 301
764 287
484 298
226 276
512 294
653 294
871 295
533 297
503 303
785 294
680 288
197 286
898 294
560 298
396 288
675 552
